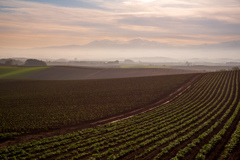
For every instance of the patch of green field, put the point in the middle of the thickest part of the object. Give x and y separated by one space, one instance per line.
144 66
18 72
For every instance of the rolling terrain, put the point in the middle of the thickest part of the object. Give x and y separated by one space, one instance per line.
78 73
37 105
75 73
18 72
202 121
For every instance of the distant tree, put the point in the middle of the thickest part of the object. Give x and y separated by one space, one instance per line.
222 70
9 62
128 61
188 63
34 62
113 62
235 68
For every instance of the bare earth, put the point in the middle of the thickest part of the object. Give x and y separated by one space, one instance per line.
77 73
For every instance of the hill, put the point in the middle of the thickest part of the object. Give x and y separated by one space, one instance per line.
76 73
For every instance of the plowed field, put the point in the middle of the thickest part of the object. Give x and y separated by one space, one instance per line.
74 73
38 105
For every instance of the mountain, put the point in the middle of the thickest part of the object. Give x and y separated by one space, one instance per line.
104 44
222 45
232 44
135 43
144 44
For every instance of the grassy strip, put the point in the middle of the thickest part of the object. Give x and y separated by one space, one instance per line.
18 72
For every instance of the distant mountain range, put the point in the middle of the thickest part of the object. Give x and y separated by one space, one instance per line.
223 45
135 43
148 59
144 44
115 49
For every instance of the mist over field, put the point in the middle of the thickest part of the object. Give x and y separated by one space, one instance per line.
138 48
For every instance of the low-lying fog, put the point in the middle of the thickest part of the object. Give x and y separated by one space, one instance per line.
108 50
110 54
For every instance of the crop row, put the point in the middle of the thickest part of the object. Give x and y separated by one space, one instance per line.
197 140
190 130
232 144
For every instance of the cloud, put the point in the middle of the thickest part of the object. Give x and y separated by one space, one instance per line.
190 25
180 6
81 21
68 3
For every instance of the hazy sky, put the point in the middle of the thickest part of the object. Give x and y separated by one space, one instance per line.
40 23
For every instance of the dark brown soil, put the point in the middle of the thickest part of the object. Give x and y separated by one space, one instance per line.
75 73
68 129
235 155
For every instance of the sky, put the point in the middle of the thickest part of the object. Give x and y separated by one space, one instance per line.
43 23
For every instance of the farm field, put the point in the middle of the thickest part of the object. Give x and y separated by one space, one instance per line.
75 73
143 66
38 105
203 68
201 123
18 72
